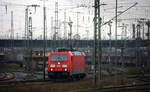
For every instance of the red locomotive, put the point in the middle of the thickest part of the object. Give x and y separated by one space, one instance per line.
66 64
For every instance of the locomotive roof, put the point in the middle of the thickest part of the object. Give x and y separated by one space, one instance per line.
66 49
73 53
78 53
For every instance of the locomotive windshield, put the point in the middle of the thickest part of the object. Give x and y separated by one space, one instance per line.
58 57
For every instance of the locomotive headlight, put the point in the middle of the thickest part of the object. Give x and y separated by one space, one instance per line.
51 69
52 65
65 69
64 65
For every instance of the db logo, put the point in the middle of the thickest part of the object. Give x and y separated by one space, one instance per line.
58 65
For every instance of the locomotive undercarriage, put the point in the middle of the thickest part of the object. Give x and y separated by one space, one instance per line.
65 75
58 75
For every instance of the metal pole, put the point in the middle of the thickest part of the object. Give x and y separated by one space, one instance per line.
139 31
148 34
109 24
95 43
12 31
27 33
97 46
70 34
78 22
44 40
65 28
25 37
116 10
27 40
56 26
143 31
77 28
133 31
148 41
30 45
52 33
125 38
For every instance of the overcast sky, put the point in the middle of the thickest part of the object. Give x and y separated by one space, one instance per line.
142 10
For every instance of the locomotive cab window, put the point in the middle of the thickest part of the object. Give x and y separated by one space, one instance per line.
59 57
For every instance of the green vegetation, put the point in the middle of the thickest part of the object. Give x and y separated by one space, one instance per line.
11 67
138 70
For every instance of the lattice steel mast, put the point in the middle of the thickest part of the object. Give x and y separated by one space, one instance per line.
12 31
97 39
55 36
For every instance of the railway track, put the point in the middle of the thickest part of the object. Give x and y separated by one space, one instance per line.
141 78
23 83
4 76
132 88
145 87
128 88
39 82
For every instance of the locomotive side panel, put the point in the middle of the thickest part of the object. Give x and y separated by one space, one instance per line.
78 64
